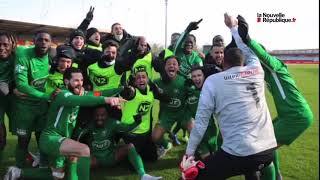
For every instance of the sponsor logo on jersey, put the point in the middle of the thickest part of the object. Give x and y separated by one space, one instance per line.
39 83
67 94
139 68
100 80
101 145
192 100
242 74
144 107
175 103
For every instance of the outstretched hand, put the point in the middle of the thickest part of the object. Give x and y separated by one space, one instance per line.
243 29
90 14
114 101
193 25
55 93
230 21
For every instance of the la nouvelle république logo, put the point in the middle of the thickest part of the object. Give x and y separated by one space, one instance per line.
274 17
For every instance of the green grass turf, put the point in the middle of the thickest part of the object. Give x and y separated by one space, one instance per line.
298 161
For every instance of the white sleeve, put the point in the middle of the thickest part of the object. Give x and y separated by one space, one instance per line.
204 112
250 57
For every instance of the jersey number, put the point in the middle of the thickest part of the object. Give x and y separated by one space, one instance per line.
252 87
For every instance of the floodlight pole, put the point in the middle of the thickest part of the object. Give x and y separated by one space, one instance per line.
166 24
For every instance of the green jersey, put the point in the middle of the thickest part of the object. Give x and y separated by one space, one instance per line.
289 101
31 73
192 100
145 63
64 110
186 61
103 78
176 90
192 104
140 104
101 140
54 81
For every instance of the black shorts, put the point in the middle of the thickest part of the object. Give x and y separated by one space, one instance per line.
144 145
222 165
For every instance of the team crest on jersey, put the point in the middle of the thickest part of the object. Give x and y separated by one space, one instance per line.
175 103
73 116
192 100
101 145
100 80
139 68
39 83
144 107
19 68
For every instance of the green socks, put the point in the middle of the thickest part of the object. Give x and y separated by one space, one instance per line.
72 170
36 173
83 168
269 173
136 161
276 162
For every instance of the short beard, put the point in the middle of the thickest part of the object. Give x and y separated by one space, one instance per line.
118 37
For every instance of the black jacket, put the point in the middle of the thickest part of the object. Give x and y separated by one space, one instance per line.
127 57
109 36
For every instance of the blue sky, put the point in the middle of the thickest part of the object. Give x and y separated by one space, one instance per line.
146 17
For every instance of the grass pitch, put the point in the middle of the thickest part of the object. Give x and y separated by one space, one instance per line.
300 160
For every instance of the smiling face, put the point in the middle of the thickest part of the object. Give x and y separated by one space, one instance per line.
197 77
42 43
141 80
117 29
100 116
75 83
95 38
171 67
188 45
77 42
217 54
5 47
111 52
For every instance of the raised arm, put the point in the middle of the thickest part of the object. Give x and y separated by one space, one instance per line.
86 22
179 45
66 98
250 57
265 58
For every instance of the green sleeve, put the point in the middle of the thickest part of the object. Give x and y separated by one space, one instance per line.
111 92
49 86
66 98
265 58
21 78
178 48
198 60
121 127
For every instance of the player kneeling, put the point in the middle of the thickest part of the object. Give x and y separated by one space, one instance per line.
100 137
